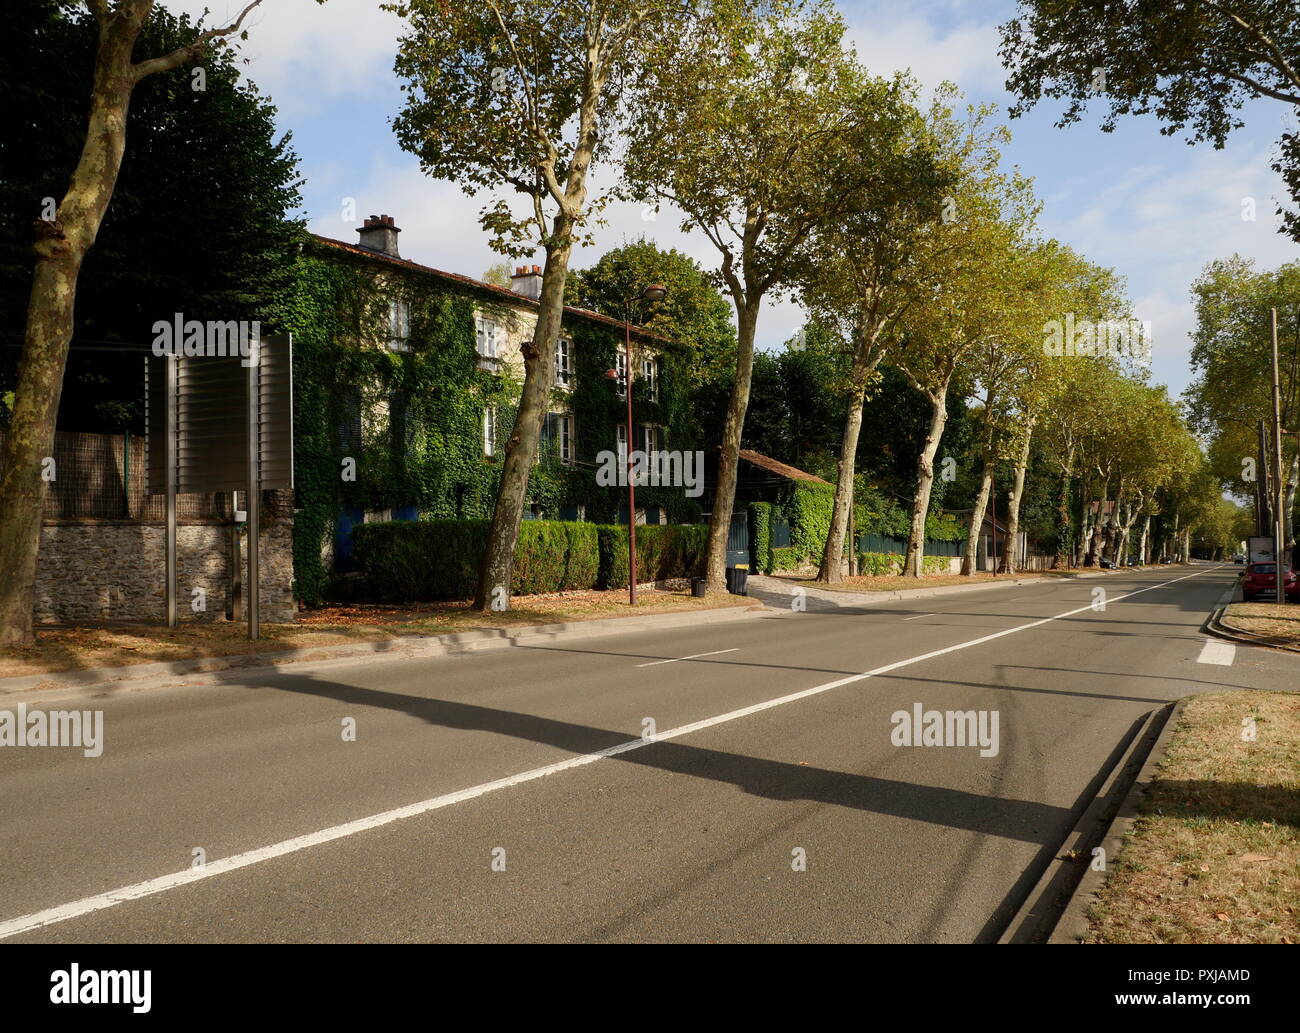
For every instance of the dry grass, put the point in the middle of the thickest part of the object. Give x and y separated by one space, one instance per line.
1215 856
1275 624
111 645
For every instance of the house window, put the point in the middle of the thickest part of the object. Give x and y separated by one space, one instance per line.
399 325
557 438
647 438
350 419
485 339
650 373
564 362
489 432
620 364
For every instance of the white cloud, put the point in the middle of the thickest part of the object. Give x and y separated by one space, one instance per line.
306 55
966 54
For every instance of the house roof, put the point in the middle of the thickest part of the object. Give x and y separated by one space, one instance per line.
468 281
778 468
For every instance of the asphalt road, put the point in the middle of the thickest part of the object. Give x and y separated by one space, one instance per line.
516 794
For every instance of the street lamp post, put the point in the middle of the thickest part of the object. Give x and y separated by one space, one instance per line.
655 292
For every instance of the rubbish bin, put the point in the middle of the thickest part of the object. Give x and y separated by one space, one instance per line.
698 587
737 577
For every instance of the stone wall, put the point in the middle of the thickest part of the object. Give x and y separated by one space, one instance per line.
115 570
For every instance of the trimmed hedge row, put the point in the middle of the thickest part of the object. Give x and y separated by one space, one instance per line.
425 560
880 563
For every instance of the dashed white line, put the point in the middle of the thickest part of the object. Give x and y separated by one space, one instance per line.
919 616
1214 652
88 905
693 656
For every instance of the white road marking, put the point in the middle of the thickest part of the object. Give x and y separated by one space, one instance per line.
1215 652
88 905
694 656
919 616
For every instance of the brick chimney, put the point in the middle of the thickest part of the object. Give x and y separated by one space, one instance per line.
527 280
379 234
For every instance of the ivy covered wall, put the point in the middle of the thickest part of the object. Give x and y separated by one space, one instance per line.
411 422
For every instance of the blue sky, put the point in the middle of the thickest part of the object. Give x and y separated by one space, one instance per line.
1147 205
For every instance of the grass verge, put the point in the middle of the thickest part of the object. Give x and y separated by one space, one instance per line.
1214 856
1273 624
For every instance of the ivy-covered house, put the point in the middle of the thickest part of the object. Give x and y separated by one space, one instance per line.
406 383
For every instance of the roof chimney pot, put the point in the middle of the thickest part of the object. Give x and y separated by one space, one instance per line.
379 233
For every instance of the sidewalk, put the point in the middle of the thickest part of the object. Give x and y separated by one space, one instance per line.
404 647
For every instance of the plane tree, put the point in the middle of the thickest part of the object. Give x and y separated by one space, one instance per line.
858 276
1193 63
522 100
968 275
1231 389
751 127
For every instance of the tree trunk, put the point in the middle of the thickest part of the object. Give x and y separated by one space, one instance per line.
1085 524
1110 538
1099 522
914 565
496 570
831 570
1146 538
729 458
1288 512
970 552
60 247
1010 543
1064 533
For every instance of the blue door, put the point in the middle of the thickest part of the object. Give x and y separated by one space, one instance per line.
347 519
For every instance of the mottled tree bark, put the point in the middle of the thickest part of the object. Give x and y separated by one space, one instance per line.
1017 493
496 570
831 569
729 457
970 552
914 565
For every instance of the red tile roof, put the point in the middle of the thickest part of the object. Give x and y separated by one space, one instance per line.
780 469
469 281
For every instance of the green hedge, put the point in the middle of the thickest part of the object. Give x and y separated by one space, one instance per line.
760 537
786 558
408 561
662 552
809 511
880 563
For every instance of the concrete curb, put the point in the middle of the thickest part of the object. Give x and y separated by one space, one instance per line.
404 647
1055 894
1215 626
1073 924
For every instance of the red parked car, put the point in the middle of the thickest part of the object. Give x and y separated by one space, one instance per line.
1260 579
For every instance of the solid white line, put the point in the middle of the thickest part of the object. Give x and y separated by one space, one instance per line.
694 656
1214 652
919 616
87 905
